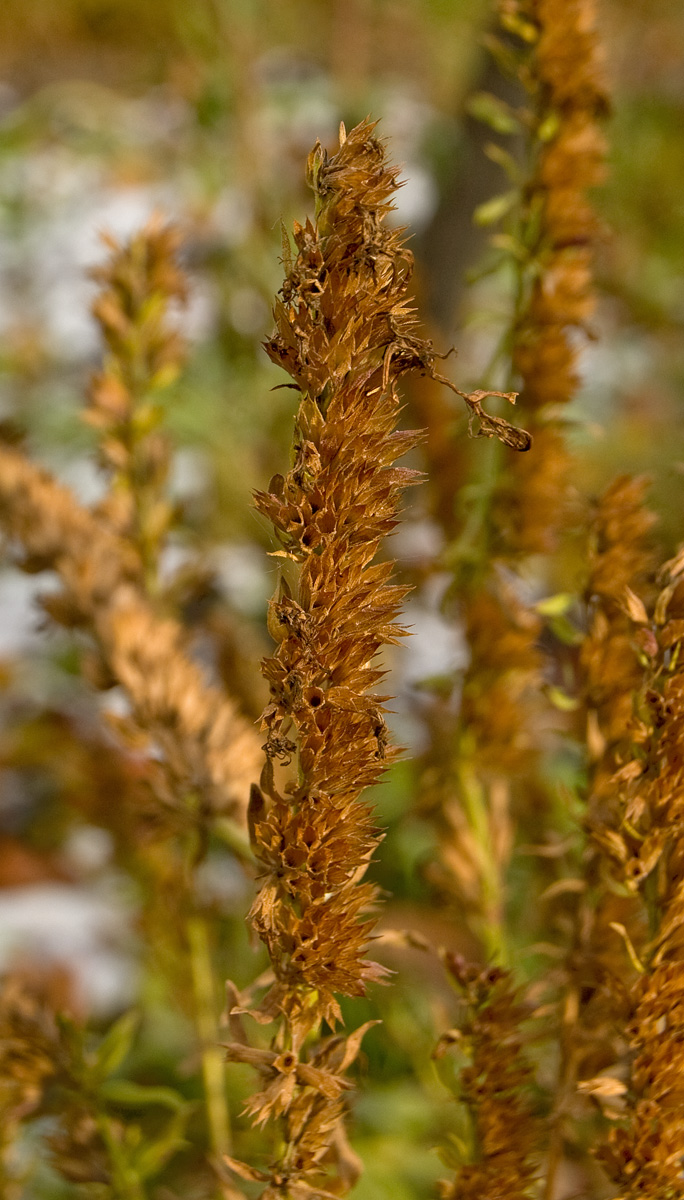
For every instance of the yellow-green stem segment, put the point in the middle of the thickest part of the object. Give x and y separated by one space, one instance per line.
213 1068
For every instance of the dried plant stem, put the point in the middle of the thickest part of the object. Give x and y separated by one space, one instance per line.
125 1184
519 501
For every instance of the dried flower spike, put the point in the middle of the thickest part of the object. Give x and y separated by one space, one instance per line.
345 333
559 65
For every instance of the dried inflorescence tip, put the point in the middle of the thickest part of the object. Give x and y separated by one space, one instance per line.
140 283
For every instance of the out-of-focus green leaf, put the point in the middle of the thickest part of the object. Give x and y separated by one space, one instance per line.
152 1155
493 112
116 1044
135 1095
493 210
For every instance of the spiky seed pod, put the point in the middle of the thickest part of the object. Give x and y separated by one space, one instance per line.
345 333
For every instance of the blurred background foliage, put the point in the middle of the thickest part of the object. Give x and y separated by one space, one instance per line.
205 110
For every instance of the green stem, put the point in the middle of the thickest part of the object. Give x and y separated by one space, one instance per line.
213 1071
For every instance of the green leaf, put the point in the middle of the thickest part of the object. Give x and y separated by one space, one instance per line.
493 210
504 159
565 631
507 59
510 245
549 127
456 1153
525 30
561 700
555 606
153 1155
493 112
136 1095
116 1044
487 267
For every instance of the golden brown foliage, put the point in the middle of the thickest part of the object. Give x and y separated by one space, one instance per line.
501 725
205 752
611 658
591 911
